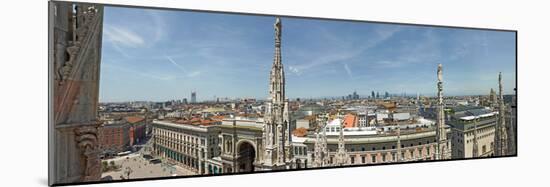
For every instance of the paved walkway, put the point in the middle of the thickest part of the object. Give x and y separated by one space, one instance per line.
142 168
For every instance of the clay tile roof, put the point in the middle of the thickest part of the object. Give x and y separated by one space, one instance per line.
134 119
208 122
217 117
300 132
350 120
181 121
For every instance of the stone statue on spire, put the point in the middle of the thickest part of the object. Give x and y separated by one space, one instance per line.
278 29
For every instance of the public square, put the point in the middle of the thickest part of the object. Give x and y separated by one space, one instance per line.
142 168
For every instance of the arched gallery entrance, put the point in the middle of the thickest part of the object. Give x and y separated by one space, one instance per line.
245 157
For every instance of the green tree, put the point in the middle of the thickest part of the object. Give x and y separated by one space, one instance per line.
104 166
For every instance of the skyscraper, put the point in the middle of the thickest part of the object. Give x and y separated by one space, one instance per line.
355 95
193 97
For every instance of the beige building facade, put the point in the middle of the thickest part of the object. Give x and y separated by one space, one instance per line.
464 123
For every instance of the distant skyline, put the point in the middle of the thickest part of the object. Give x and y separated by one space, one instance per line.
159 55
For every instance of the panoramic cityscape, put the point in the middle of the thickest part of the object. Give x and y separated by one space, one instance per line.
218 94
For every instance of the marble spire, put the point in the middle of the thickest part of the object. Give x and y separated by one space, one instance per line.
277 145
441 151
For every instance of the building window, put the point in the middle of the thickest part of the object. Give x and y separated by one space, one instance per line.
362 159
352 159
373 158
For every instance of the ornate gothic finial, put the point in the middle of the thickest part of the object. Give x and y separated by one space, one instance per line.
278 147
342 157
278 29
317 150
440 73
320 152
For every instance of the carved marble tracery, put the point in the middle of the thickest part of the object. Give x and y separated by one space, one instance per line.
81 23
75 58
87 142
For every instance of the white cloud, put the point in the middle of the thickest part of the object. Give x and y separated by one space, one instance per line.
175 64
188 74
120 50
348 71
413 53
194 74
294 70
122 36
158 24
346 49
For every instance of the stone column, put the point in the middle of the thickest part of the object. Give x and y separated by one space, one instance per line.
74 60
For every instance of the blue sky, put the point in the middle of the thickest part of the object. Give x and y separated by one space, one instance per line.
158 55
